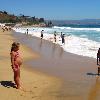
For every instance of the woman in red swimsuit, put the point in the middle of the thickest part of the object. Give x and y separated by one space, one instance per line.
16 61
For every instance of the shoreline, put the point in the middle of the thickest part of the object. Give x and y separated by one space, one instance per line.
48 73
36 84
77 73
80 44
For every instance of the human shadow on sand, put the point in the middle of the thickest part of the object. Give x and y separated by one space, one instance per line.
7 84
92 74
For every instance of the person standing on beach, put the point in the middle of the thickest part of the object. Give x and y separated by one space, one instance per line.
27 32
63 39
42 34
98 57
98 60
55 36
16 62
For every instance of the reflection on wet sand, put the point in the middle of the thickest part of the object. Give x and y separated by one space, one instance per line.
68 67
61 52
95 90
40 45
53 48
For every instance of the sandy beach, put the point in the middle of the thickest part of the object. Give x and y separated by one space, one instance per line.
77 73
48 72
35 84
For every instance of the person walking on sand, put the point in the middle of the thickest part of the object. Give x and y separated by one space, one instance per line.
98 57
42 34
16 62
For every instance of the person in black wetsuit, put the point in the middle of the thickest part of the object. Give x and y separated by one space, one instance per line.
42 34
63 39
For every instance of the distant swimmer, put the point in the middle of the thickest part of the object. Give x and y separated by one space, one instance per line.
42 34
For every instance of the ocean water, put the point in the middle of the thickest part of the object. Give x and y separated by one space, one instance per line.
83 41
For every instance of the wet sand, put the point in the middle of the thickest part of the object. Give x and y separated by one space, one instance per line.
37 85
78 73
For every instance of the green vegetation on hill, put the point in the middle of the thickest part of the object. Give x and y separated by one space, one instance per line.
5 17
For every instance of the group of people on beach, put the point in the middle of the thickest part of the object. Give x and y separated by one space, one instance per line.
62 36
6 28
55 36
16 60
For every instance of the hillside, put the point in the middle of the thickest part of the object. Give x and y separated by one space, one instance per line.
5 17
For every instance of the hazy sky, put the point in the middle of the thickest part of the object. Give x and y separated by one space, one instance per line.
54 9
